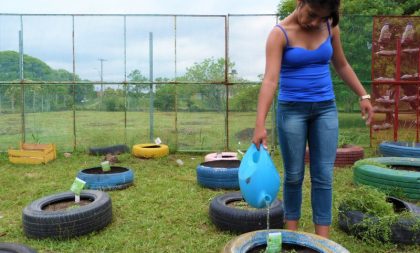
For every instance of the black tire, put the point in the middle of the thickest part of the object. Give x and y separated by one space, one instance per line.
219 174
248 241
401 205
115 179
64 224
403 231
15 248
399 149
242 220
114 150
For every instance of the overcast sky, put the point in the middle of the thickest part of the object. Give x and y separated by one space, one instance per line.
49 38
139 6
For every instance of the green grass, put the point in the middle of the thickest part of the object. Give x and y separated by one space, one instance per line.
193 131
164 211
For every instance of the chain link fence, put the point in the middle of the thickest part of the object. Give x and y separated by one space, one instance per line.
192 80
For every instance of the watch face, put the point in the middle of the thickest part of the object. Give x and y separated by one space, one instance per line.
364 97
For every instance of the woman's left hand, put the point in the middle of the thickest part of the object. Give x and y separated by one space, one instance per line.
367 110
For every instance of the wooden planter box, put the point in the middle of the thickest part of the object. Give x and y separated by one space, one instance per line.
33 153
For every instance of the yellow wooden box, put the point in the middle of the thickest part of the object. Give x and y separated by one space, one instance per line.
33 153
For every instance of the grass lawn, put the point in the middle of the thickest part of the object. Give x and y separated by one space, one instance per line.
164 211
193 131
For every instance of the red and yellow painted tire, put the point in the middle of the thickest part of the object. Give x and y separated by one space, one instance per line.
150 150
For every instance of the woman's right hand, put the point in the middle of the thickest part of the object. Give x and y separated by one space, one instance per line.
260 137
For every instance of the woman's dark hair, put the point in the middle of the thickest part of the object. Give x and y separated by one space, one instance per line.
333 5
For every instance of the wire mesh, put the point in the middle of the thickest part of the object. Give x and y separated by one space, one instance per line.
90 80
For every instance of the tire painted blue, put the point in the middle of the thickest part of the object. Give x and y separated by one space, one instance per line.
117 178
399 149
221 174
248 241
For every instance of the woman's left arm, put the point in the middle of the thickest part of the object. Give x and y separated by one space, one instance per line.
346 72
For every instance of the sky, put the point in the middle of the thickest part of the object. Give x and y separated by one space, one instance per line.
213 7
49 38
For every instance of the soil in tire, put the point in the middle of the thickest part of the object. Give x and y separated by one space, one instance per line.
66 204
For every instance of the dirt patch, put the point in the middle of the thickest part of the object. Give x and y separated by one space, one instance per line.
405 167
240 205
98 170
229 164
66 204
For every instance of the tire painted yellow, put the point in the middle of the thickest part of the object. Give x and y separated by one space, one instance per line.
150 150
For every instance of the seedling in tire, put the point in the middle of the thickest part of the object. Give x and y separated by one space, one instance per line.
77 188
105 166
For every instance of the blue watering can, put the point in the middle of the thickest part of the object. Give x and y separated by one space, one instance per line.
259 180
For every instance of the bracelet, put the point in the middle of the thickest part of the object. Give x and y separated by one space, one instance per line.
364 97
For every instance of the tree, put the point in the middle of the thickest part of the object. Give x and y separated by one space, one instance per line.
207 96
246 99
165 96
37 70
137 76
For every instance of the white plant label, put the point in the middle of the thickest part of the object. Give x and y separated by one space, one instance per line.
158 141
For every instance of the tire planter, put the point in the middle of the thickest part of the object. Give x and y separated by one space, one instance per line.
403 231
346 155
47 218
114 179
251 241
399 149
240 220
221 156
150 150
383 178
15 248
220 174
113 150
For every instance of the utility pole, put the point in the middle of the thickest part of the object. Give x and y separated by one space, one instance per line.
102 81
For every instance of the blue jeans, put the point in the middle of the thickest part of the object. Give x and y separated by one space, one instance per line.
317 124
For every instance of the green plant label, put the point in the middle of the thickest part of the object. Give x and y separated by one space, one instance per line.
77 186
274 242
105 166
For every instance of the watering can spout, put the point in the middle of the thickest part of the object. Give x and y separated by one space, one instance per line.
266 199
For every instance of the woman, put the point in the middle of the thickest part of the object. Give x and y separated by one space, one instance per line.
299 51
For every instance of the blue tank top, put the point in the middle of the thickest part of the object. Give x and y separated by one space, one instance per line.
305 74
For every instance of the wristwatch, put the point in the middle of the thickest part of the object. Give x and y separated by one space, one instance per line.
364 97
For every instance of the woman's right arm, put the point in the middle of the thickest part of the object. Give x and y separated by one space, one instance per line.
274 50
